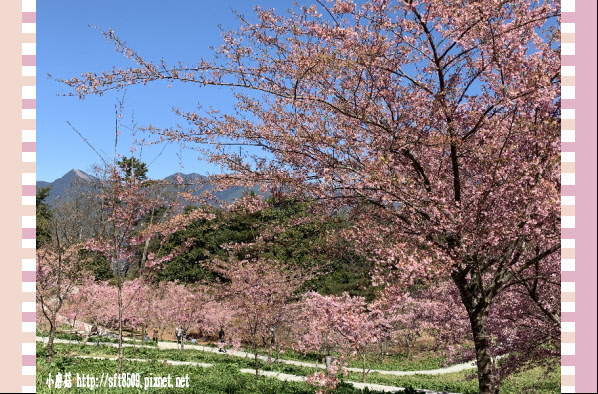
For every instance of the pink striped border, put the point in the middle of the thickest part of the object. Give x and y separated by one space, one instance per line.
578 176
578 264
568 196
28 191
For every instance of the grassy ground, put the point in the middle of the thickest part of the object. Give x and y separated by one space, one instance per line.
173 354
79 338
225 378
422 361
222 378
532 381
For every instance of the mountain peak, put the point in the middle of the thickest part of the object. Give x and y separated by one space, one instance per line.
81 174
75 178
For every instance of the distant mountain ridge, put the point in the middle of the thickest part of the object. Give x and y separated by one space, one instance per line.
62 186
75 180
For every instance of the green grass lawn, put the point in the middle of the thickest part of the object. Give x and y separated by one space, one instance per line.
62 349
422 361
79 338
533 381
225 377
222 378
392 362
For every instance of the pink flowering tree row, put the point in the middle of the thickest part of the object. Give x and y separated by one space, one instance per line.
95 303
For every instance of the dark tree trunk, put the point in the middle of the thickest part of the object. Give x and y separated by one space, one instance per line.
50 347
477 304
257 366
483 356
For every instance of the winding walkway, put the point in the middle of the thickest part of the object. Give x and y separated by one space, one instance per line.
172 345
453 368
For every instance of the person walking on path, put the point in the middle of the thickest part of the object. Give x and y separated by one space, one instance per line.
221 341
180 334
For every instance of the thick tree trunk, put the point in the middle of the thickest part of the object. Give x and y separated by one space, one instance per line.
477 305
483 356
50 347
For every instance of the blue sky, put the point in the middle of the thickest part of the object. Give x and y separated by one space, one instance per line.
67 47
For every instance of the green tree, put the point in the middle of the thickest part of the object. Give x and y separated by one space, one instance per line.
209 236
133 167
285 230
43 217
96 264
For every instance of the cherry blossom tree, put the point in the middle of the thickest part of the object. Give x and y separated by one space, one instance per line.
185 307
345 326
58 273
95 303
257 291
434 123
409 322
157 308
522 334
441 315
217 315
135 294
128 200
